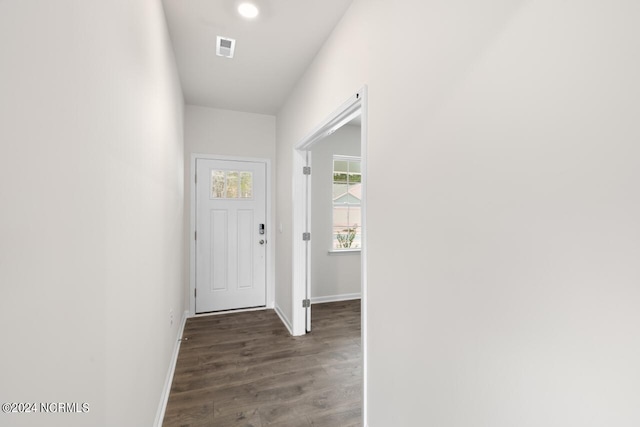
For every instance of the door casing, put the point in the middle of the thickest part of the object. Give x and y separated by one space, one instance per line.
270 276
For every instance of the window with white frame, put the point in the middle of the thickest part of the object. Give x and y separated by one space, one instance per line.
347 192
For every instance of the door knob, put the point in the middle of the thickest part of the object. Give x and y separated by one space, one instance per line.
261 242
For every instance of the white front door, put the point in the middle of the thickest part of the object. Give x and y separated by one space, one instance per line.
230 235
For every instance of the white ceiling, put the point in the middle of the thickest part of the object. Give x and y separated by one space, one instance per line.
272 51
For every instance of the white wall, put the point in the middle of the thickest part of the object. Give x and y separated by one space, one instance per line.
227 133
335 275
91 167
515 126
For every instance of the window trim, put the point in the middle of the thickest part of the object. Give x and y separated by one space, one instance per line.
344 251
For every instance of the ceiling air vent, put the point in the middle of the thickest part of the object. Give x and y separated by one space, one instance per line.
225 47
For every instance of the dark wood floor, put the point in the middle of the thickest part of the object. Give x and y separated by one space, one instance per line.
244 369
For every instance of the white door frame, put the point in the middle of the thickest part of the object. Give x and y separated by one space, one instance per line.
270 232
354 106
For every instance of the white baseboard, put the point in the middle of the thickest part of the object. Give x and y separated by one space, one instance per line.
239 310
164 398
334 298
283 318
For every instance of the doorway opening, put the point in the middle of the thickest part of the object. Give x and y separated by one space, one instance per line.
353 111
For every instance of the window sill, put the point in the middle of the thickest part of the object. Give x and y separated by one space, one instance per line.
344 251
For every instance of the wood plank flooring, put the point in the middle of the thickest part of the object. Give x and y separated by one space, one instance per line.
244 369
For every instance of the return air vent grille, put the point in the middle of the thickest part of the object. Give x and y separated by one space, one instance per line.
225 47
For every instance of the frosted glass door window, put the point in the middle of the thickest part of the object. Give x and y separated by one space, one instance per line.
246 185
217 184
231 184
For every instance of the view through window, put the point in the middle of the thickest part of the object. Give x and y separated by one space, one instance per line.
347 192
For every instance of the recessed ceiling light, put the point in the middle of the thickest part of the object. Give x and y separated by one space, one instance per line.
248 10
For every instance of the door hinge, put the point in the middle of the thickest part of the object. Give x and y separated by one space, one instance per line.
195 292
306 236
195 235
196 178
306 303
306 170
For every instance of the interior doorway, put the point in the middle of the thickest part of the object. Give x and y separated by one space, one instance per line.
335 193
354 108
